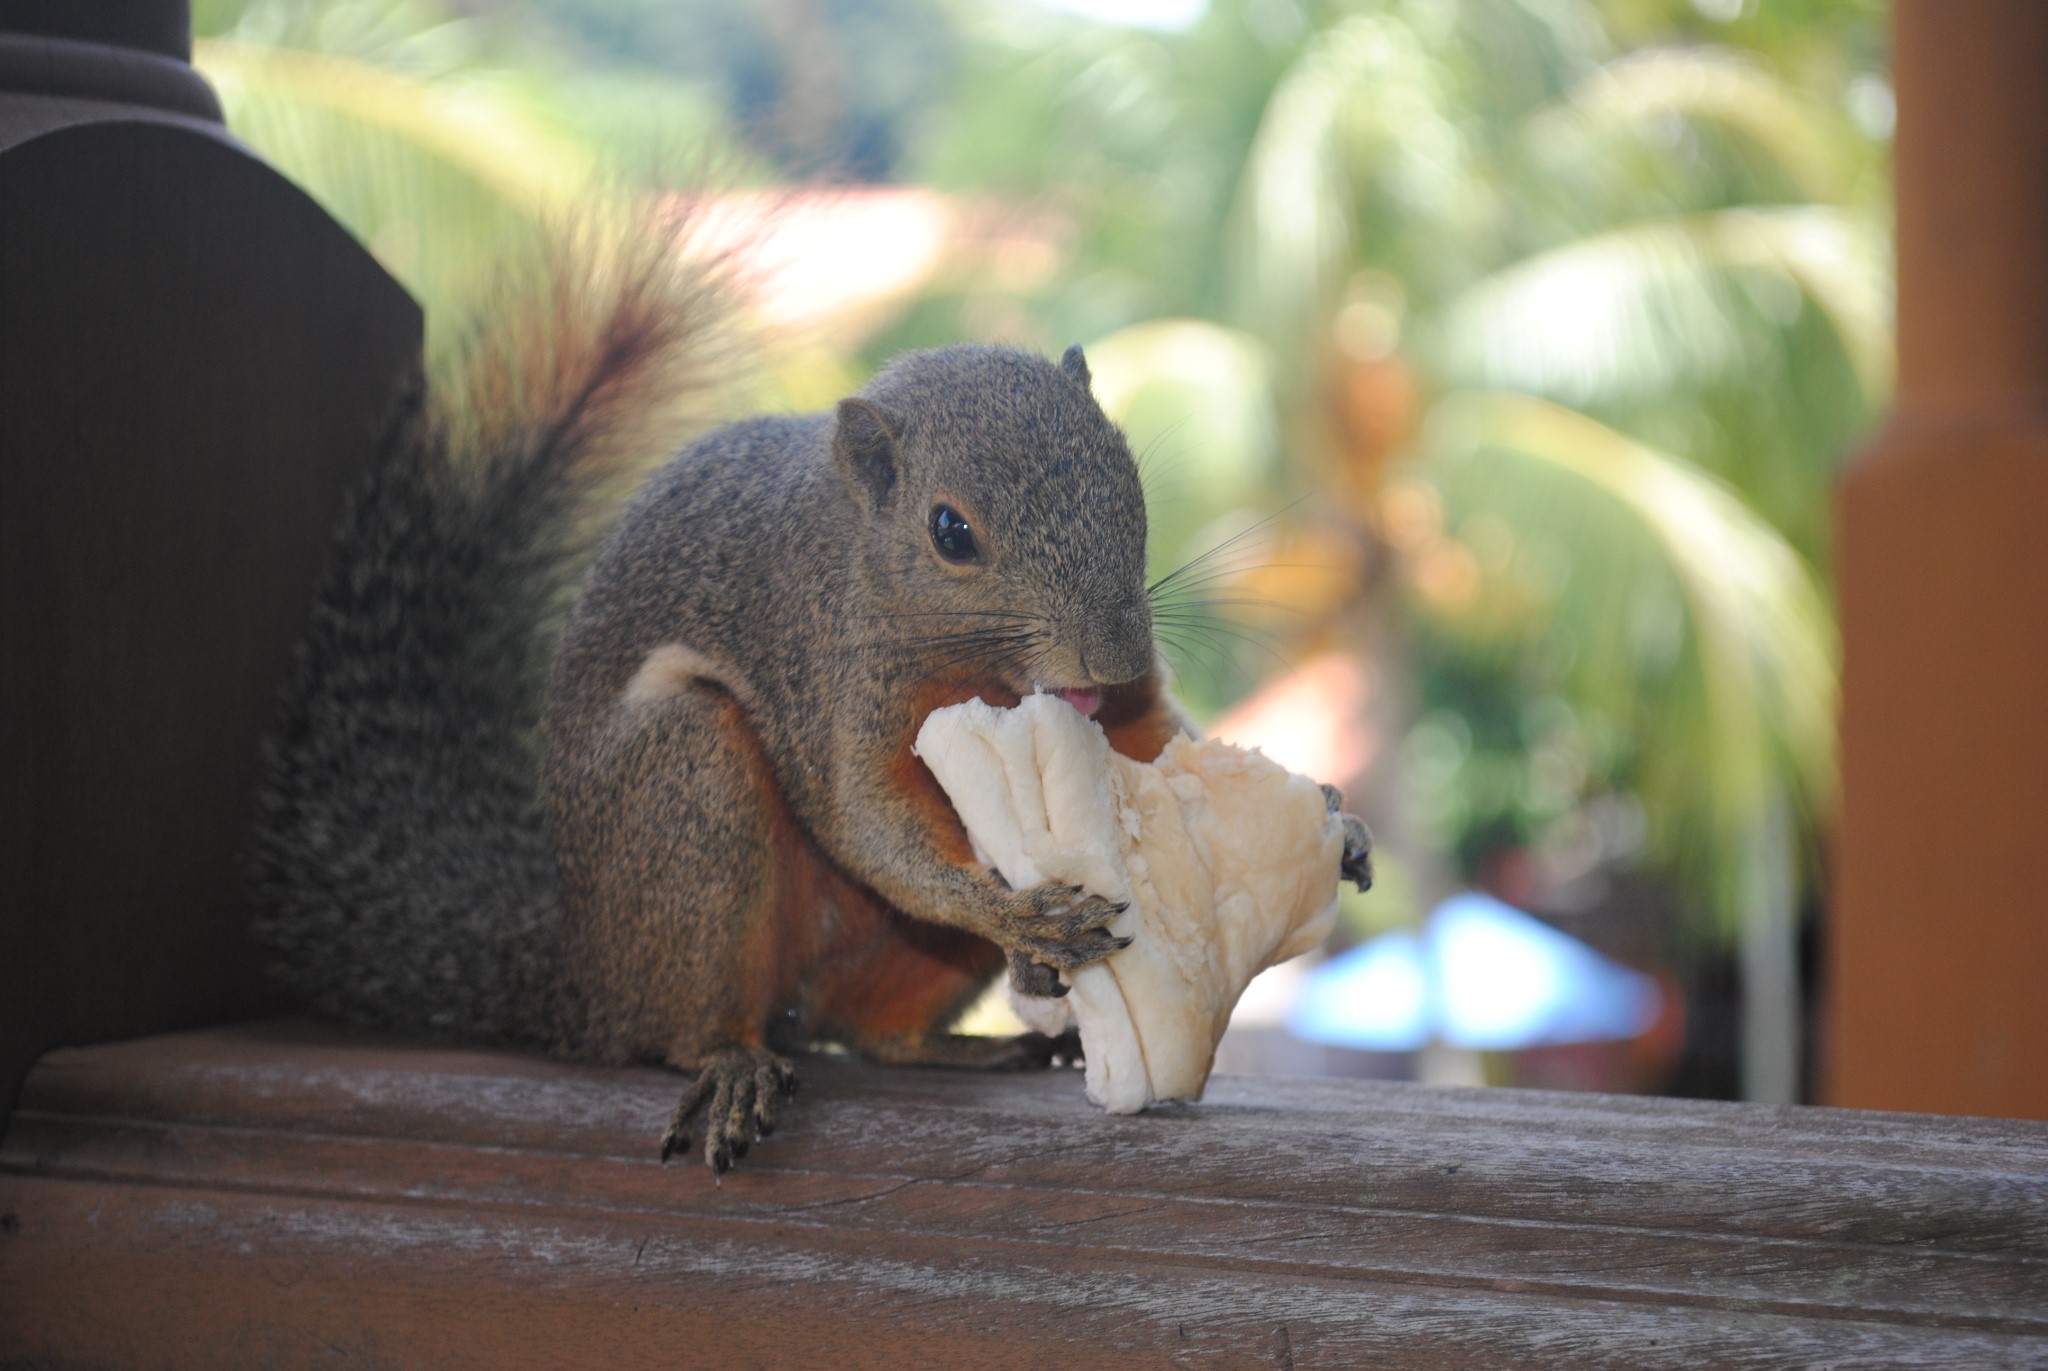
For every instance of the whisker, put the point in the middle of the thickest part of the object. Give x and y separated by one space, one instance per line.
1223 601
1145 469
1201 612
1250 639
1238 565
962 614
1196 650
987 635
1229 571
955 649
994 664
996 650
1227 543
1166 484
1209 564
1201 617
1204 610
1223 572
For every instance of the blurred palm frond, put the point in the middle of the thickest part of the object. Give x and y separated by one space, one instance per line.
1678 611
1365 96
1636 135
1756 342
441 179
1663 305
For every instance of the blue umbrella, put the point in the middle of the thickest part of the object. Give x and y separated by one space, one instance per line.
1481 975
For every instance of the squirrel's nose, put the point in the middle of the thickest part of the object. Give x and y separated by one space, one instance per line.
1122 649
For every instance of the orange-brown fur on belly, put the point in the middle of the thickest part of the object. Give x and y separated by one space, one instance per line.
915 779
1135 718
853 967
903 980
856 969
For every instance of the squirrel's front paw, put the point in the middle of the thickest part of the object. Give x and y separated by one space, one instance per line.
1060 926
1035 979
738 1091
1355 865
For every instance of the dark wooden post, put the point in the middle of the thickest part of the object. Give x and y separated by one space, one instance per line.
193 358
1939 977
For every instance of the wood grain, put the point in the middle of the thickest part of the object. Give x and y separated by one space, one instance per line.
273 1194
194 360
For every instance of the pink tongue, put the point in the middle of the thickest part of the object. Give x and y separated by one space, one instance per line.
1087 701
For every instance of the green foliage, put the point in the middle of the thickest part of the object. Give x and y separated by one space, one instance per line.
1756 341
439 143
1638 253
1632 253
1684 247
824 88
1681 621
1132 138
440 179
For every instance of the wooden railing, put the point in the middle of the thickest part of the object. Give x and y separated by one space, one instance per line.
285 1195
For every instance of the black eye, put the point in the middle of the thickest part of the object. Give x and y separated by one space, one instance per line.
952 536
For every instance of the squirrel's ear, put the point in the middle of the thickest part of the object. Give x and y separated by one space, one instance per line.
865 444
1075 365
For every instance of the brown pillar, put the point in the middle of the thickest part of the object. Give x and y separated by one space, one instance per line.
194 359
1939 972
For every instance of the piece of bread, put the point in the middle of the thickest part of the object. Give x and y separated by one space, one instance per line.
1228 859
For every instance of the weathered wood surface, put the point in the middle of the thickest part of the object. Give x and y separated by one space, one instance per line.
289 1195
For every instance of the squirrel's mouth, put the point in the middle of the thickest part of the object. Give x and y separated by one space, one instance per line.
1087 699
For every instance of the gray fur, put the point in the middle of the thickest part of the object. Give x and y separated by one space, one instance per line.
400 850
401 845
795 555
404 848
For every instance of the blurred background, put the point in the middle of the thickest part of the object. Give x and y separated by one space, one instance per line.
1491 361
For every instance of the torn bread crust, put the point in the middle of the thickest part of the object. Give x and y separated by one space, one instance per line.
1229 861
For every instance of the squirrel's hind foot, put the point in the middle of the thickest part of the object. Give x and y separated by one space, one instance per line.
739 1092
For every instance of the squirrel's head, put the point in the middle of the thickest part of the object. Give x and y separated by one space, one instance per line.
1008 519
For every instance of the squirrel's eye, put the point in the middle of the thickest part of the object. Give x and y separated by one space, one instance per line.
952 536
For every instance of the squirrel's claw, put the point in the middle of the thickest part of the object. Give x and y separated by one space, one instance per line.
677 1138
1062 926
739 1092
1355 865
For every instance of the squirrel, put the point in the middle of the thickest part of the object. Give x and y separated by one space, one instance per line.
686 826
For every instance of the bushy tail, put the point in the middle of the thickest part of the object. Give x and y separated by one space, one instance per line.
400 852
